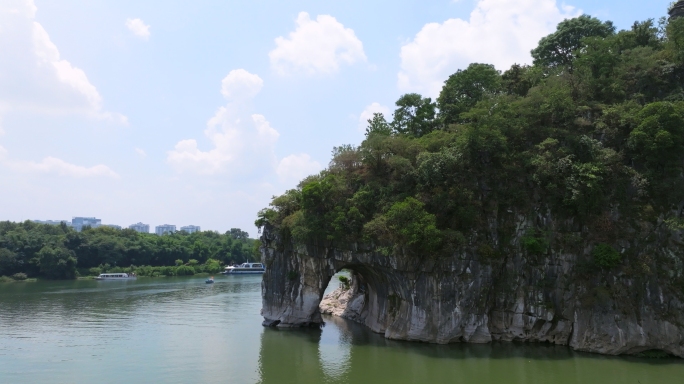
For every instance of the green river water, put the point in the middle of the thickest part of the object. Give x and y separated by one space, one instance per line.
181 330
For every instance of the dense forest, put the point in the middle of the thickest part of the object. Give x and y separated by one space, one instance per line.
594 126
59 252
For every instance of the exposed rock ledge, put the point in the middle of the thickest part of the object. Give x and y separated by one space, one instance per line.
335 303
345 302
466 299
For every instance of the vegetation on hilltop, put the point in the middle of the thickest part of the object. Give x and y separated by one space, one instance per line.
595 124
59 252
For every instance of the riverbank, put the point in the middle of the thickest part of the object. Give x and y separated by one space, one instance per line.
61 253
199 274
8 279
210 268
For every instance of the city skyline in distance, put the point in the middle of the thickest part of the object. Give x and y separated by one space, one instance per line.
78 222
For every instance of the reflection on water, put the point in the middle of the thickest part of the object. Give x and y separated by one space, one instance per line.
345 352
180 330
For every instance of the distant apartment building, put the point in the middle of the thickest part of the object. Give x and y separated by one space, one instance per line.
112 226
166 228
140 227
52 222
79 222
191 228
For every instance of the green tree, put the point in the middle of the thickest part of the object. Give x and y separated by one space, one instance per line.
8 261
675 39
414 116
517 80
658 139
377 125
185 270
606 256
200 251
464 89
212 266
411 226
597 66
238 234
57 262
345 157
642 34
560 48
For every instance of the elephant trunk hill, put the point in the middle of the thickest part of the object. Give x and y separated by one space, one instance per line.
541 204
464 298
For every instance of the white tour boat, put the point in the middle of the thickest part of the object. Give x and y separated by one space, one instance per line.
245 269
115 276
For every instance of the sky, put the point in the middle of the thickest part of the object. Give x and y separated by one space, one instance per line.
199 112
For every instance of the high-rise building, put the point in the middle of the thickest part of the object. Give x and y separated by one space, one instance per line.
166 228
79 222
191 228
112 226
140 227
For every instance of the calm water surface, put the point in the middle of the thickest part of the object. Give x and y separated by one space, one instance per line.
181 330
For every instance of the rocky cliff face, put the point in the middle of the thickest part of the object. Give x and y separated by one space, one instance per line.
478 296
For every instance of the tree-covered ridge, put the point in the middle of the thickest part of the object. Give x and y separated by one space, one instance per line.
60 252
595 124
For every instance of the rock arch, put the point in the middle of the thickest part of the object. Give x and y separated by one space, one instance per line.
404 298
469 298
297 277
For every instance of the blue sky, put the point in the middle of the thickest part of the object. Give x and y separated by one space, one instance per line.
197 112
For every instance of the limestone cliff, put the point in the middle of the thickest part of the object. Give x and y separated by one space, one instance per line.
471 296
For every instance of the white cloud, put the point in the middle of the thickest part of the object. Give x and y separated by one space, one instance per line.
240 140
296 167
60 167
138 28
241 85
141 152
499 32
34 77
74 77
25 8
367 114
314 47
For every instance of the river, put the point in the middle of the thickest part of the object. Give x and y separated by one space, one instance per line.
181 330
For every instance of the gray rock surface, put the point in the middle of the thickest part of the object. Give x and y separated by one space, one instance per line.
677 10
468 297
335 303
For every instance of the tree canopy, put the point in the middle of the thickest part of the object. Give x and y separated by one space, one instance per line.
465 88
58 252
414 115
560 48
597 122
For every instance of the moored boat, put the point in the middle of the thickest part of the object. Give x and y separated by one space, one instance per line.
245 269
115 276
